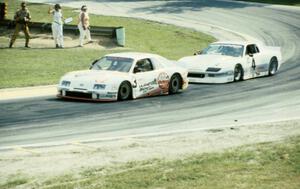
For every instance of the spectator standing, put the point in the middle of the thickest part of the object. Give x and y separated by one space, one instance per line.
84 26
22 18
57 26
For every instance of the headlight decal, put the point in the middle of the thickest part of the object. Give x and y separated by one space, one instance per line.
66 83
99 86
222 74
210 69
230 72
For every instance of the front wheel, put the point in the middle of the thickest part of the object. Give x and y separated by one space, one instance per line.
273 66
124 92
174 84
238 73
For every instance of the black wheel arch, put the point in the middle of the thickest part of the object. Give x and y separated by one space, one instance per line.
242 69
180 77
240 65
130 85
274 58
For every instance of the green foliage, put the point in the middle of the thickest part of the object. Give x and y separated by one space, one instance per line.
262 166
28 67
14 181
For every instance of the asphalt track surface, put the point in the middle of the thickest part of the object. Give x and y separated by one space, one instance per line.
50 121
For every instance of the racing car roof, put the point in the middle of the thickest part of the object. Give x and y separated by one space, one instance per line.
232 42
237 42
133 55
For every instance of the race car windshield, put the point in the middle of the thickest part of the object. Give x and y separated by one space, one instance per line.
113 64
224 49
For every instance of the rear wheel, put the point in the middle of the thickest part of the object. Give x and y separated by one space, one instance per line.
174 84
273 66
238 73
125 91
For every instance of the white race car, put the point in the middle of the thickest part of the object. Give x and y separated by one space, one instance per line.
123 76
223 62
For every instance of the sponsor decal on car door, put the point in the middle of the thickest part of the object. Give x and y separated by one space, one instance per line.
255 63
253 60
145 79
163 81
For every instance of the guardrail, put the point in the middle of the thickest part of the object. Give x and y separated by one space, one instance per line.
111 32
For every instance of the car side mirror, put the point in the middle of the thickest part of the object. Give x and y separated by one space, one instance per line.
250 54
137 70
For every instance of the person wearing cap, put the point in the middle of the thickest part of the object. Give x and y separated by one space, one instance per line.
84 26
57 26
22 18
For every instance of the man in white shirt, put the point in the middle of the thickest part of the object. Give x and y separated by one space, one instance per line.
84 26
57 26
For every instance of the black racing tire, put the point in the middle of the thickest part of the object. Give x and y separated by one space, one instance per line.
273 66
175 84
125 91
238 73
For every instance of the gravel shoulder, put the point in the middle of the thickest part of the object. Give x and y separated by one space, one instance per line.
27 92
41 163
44 163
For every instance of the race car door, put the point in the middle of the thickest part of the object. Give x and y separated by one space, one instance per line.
145 79
254 62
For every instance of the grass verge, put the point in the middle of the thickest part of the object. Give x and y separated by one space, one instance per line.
279 2
22 67
266 165
15 180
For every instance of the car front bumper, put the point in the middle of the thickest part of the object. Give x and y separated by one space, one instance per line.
102 95
210 77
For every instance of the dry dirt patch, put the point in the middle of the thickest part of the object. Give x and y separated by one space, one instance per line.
45 41
43 163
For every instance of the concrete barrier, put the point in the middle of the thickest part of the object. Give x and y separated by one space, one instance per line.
120 32
110 32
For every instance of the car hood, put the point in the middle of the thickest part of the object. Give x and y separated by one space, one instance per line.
87 78
95 75
202 62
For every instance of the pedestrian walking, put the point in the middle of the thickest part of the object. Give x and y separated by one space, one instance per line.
57 26
22 18
84 26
